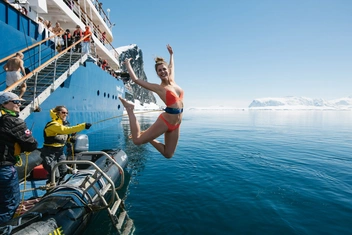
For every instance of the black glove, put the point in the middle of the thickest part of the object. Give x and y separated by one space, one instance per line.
88 125
72 140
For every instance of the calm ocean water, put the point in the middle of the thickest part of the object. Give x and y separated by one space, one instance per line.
242 172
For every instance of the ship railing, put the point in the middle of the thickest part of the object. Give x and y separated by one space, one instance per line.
78 10
102 13
28 48
91 182
37 52
96 30
57 55
32 102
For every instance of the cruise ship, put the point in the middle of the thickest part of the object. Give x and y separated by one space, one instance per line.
60 74
62 77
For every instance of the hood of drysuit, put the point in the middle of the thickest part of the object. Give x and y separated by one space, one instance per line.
55 117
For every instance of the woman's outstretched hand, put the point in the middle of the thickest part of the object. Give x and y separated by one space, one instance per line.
169 48
127 61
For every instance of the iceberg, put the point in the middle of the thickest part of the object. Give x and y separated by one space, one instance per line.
301 103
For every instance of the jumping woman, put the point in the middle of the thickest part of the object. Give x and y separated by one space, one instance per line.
168 123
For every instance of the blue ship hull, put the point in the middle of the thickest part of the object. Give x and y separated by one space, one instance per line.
90 95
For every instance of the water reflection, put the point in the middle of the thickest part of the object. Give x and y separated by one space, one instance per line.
111 137
116 137
137 154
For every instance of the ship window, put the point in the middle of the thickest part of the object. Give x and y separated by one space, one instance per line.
112 96
118 106
104 94
108 95
98 92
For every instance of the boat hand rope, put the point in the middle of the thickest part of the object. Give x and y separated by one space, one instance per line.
73 157
26 40
125 115
21 206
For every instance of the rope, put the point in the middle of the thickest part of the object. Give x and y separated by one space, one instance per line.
125 115
73 157
18 212
20 162
25 37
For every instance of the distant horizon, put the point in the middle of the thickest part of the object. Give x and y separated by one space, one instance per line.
288 102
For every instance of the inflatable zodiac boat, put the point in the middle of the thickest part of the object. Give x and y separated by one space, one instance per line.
68 207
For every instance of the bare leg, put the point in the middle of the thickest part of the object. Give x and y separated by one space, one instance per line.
154 131
141 133
168 149
134 125
23 89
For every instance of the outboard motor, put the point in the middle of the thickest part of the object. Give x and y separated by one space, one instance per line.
82 143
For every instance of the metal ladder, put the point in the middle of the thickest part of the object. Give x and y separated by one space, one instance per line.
122 223
44 82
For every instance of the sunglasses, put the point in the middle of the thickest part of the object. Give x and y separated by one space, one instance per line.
15 101
63 112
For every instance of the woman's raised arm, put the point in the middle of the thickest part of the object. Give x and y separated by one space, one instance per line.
134 78
171 63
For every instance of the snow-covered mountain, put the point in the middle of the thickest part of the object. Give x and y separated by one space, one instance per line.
292 102
144 96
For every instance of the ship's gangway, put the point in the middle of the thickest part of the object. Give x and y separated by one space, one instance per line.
47 77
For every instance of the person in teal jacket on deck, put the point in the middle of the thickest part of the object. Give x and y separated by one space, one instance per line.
55 138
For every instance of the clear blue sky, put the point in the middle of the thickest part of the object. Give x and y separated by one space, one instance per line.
229 52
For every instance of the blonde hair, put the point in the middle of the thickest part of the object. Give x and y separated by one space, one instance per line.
20 54
159 61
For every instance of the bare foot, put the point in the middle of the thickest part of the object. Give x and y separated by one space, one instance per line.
130 136
127 104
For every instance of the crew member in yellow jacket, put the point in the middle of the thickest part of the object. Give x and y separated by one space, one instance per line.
55 138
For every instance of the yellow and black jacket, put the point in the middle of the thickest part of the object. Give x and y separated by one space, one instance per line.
56 133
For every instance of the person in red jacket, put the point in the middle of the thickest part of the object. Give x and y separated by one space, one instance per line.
86 41
103 38
104 64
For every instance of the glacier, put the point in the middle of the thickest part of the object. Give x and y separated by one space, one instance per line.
301 103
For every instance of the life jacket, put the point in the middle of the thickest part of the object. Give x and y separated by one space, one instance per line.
87 32
77 34
56 139
67 36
